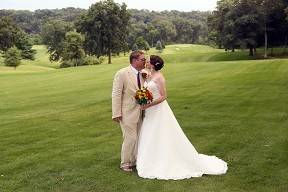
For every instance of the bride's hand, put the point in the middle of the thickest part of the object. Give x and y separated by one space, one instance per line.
143 107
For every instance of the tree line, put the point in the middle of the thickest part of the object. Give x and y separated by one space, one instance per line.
106 28
181 27
81 37
249 24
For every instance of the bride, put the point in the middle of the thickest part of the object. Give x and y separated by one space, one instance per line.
164 152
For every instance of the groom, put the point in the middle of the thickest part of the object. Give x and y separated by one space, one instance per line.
125 110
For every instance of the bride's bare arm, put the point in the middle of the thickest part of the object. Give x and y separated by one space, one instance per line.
160 81
162 89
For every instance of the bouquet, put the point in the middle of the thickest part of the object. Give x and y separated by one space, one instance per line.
143 96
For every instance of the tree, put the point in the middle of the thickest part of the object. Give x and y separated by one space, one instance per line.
159 46
135 47
8 33
73 51
166 29
53 35
126 48
220 22
152 33
142 43
273 23
105 26
12 57
249 24
24 44
266 8
11 35
146 47
142 23
184 30
286 11
73 46
36 39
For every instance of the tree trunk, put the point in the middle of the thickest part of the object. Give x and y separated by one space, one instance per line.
109 56
233 50
251 51
285 45
266 44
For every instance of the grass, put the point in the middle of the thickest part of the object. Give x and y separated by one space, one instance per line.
56 132
41 63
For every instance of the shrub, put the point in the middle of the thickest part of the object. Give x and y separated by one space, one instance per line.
93 60
134 47
159 46
12 57
88 60
72 63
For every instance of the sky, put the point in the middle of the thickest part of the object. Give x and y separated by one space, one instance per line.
156 5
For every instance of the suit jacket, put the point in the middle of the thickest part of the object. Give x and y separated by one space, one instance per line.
123 100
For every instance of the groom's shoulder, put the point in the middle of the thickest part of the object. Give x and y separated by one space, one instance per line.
123 70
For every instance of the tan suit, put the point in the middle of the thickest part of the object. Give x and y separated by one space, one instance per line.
124 105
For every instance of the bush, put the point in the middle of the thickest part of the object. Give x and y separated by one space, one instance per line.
36 39
134 47
159 46
72 63
93 60
24 44
65 64
101 59
163 44
147 47
73 47
12 57
88 60
28 53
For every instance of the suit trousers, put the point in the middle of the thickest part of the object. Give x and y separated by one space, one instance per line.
130 138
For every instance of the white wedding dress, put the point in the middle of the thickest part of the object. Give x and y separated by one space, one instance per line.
164 152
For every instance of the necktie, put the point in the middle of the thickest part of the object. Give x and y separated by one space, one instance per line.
138 80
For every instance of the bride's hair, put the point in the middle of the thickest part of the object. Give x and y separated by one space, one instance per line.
157 62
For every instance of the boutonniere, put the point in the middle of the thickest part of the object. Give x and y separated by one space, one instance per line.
145 73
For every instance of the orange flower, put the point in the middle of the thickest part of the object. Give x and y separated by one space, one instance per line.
143 96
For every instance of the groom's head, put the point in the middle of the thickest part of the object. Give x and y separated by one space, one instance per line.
137 60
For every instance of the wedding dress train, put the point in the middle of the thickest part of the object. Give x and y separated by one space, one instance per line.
164 152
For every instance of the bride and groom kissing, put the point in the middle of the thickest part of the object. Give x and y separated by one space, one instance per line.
154 143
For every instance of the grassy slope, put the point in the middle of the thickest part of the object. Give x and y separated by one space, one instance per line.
41 63
56 132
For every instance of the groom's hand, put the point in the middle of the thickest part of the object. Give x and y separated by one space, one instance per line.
117 119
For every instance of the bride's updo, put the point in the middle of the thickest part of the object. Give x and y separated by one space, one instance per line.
157 62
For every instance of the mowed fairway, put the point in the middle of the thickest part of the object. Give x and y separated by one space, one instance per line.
56 132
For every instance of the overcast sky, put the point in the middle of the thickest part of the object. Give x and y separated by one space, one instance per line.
156 5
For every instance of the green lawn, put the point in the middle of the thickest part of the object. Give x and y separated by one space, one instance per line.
56 132
41 63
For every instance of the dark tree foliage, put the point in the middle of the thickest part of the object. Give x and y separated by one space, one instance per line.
105 27
249 24
167 26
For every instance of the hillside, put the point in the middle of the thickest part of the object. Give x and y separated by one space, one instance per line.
56 132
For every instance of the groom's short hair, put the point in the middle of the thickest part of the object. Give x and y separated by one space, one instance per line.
135 55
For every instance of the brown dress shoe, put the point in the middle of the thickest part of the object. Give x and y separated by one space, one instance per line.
126 167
